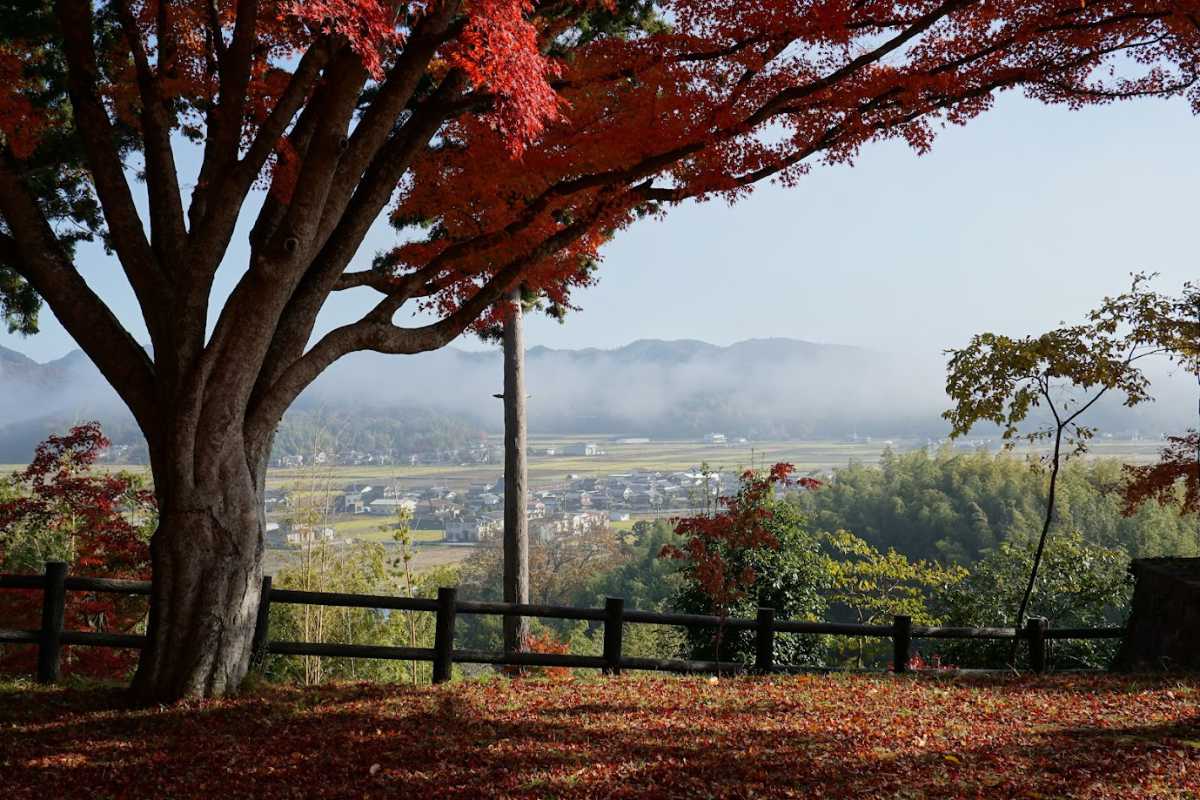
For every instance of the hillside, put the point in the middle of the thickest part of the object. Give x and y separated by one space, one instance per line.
759 389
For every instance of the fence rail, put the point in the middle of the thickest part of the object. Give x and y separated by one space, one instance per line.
55 583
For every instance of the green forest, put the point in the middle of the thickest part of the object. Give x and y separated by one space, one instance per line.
944 537
393 432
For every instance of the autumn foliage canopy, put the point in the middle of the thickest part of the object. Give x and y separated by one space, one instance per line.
505 140
513 137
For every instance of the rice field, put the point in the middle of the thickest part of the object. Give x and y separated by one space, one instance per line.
809 457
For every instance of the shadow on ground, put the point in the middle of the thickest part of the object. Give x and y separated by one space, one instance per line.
1094 737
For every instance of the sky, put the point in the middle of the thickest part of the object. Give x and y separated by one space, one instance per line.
1026 217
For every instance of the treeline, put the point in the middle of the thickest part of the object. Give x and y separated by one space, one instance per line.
946 538
956 507
397 432
127 446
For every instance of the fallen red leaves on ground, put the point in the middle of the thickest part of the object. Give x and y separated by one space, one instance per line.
808 736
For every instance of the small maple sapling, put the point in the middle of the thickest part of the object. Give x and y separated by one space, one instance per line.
716 544
99 523
1001 380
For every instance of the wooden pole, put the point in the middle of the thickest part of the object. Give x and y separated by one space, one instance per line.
516 477
901 642
262 623
764 660
443 635
614 623
54 604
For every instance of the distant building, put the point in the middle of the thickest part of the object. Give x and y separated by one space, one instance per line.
390 506
473 529
442 508
349 503
568 524
574 501
647 499
274 535
307 534
581 449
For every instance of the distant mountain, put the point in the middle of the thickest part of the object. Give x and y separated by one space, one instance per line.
39 399
17 368
758 388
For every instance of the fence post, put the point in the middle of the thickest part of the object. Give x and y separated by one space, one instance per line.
262 623
54 603
1035 630
764 660
443 634
614 622
901 642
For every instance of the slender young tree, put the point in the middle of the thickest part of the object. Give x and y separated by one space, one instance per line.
507 138
1066 371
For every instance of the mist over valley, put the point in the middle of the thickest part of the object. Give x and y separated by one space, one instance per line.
758 389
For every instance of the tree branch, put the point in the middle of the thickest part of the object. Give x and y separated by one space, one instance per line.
214 213
167 232
224 119
374 190
376 332
104 162
35 254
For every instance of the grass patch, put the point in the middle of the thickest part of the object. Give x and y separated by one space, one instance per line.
418 536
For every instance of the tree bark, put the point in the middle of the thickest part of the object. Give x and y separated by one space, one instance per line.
207 566
516 523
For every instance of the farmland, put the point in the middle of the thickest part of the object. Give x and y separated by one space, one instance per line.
808 457
551 471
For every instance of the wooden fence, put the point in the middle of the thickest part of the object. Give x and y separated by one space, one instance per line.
55 583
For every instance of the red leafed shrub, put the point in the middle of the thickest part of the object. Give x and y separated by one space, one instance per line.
543 642
58 508
1176 473
717 544
712 541
917 662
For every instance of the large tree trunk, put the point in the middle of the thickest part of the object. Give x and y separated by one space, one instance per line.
516 523
207 565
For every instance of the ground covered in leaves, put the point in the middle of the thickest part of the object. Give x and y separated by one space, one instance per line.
808 736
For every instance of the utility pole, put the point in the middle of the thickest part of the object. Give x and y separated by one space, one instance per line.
516 475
